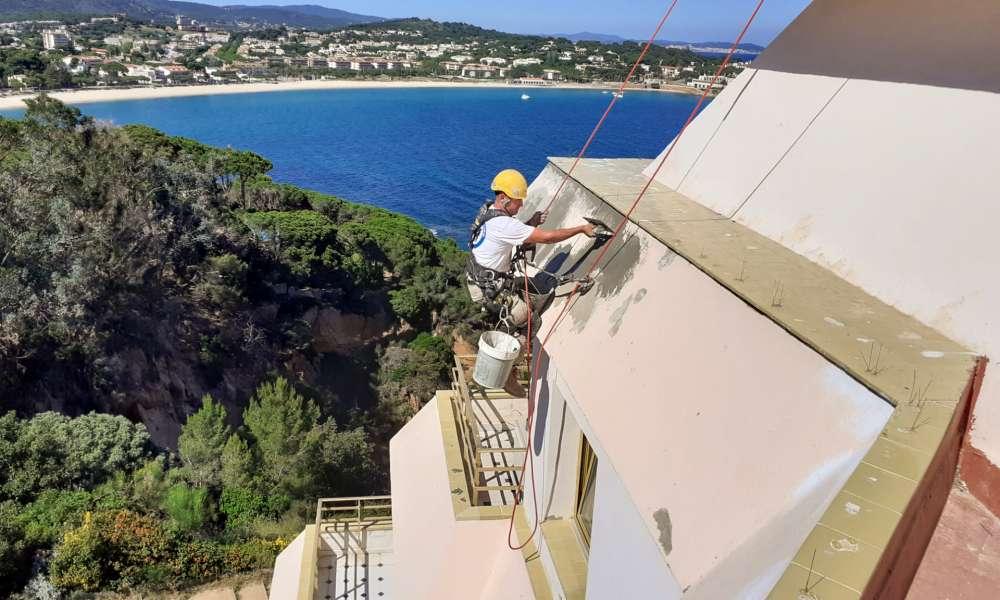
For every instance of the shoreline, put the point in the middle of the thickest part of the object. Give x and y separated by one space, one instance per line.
114 94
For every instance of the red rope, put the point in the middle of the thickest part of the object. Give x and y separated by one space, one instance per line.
607 246
528 460
614 100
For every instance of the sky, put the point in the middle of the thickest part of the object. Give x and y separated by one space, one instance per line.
692 20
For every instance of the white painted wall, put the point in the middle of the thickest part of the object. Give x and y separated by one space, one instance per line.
287 568
892 186
435 556
624 561
703 408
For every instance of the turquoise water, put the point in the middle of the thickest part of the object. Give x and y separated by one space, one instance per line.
428 153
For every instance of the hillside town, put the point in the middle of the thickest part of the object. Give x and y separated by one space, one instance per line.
115 50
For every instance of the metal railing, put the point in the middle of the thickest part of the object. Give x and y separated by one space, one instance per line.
354 510
350 512
474 446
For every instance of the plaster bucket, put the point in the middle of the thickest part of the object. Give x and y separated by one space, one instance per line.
497 353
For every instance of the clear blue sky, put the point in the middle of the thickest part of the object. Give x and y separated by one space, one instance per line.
693 20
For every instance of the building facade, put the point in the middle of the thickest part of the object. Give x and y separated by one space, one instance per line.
778 375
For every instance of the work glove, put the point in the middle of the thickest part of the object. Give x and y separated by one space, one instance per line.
538 218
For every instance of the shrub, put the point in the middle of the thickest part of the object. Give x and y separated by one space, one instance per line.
223 282
241 506
189 508
108 547
45 519
78 561
253 554
52 451
409 306
12 548
306 241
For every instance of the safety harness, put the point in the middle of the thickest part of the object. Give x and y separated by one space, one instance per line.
491 281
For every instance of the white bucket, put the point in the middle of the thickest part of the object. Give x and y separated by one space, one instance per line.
497 353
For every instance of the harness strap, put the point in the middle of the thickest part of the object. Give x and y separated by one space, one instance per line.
486 213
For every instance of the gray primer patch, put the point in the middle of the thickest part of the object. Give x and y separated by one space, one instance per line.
665 260
619 266
662 518
618 316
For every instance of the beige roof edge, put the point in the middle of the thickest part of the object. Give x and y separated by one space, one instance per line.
930 380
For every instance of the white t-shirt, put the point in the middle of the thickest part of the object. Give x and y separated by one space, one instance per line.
496 241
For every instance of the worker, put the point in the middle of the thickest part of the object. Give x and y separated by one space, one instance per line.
495 235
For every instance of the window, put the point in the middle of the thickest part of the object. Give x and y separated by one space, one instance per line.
586 484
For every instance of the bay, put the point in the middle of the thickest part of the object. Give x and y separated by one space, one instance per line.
429 153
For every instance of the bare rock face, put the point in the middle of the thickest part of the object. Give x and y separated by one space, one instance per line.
159 378
337 331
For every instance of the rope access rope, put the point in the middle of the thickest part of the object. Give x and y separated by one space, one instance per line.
614 100
533 385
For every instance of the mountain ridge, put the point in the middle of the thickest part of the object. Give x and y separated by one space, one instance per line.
608 38
300 15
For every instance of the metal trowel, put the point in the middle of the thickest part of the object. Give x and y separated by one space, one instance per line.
602 233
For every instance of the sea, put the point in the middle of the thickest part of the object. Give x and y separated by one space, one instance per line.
429 153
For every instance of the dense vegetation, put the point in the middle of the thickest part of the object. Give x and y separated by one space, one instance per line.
171 318
500 44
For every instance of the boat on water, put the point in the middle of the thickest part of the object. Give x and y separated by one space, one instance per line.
525 97
619 94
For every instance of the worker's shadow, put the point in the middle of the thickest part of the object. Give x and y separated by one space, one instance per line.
553 281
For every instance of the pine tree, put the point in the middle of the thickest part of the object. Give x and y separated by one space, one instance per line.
237 463
202 441
283 427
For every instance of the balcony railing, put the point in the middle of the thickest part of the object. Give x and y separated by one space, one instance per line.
492 435
356 512
353 511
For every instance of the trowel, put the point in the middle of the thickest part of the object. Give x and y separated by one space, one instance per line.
602 233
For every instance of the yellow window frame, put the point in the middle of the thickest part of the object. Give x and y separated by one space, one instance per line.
586 476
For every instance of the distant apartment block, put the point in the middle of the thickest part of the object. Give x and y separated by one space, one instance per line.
54 39
483 72
174 73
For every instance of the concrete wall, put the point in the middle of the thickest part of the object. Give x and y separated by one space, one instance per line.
287 569
729 437
624 561
435 556
615 572
890 185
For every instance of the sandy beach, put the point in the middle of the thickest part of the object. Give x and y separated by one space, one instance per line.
14 102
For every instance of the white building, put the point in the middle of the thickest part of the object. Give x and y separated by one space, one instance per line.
54 39
526 62
780 371
81 64
483 72
143 72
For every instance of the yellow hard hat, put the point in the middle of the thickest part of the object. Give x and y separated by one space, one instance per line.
512 183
